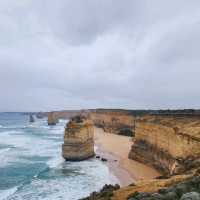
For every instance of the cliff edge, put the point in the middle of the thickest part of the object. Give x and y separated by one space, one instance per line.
168 143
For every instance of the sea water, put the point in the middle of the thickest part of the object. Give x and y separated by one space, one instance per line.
31 165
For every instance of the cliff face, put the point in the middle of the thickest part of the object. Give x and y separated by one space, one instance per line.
114 122
66 114
169 143
78 140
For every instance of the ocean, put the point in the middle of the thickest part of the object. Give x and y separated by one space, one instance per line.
31 165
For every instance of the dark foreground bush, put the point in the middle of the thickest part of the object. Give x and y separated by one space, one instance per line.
105 193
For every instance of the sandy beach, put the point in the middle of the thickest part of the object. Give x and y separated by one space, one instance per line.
115 149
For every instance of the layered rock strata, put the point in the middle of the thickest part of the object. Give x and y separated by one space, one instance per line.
169 143
67 114
52 119
78 139
117 122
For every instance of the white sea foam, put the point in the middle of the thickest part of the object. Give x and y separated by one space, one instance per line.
7 155
15 140
5 194
87 176
4 150
63 121
55 162
24 145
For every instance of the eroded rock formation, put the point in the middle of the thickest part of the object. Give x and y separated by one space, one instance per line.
169 143
31 118
118 122
78 139
52 119
67 114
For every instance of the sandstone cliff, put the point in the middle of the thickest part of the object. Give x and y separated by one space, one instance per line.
78 139
67 114
118 122
169 143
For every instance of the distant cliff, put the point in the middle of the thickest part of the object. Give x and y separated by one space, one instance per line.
118 122
54 116
169 143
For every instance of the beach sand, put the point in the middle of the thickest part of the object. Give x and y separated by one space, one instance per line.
115 149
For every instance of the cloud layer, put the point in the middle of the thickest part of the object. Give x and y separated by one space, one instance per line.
86 54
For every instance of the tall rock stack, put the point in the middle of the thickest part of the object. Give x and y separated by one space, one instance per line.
52 119
78 139
31 118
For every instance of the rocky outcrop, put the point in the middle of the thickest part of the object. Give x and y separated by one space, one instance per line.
117 122
78 139
52 119
175 188
31 118
169 143
104 194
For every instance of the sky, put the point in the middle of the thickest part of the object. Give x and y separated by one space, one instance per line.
75 54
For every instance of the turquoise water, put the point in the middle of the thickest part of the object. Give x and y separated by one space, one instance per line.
31 166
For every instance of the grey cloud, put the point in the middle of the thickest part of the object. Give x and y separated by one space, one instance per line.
87 54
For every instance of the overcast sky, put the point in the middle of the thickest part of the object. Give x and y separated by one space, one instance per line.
71 54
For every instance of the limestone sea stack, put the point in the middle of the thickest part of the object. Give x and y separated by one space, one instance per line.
78 139
31 118
52 119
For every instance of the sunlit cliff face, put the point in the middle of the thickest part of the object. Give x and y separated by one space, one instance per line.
78 54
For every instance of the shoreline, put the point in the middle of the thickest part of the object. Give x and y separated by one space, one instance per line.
117 172
115 149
